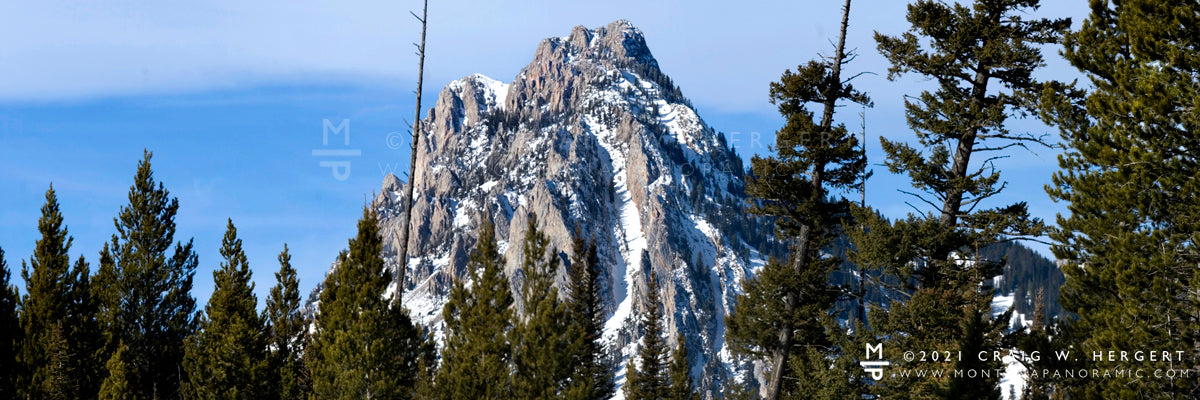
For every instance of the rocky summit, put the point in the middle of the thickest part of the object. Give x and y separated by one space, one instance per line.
590 136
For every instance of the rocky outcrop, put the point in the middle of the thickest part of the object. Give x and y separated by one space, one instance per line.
591 135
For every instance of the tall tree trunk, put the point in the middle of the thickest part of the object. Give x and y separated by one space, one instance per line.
862 277
804 240
966 145
402 255
962 154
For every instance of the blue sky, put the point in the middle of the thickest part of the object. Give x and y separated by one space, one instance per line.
231 97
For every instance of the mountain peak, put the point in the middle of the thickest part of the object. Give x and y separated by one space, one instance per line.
619 41
564 67
626 40
590 135
391 183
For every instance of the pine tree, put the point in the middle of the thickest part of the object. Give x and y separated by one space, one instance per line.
793 186
365 344
406 344
591 369
631 379
45 302
544 340
307 359
739 391
1042 339
427 366
145 292
833 375
285 330
226 357
61 378
982 57
1129 181
83 333
10 331
681 372
58 298
116 384
107 292
74 343
650 381
478 351
759 310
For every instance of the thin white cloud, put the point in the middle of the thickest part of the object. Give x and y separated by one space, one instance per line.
723 55
63 50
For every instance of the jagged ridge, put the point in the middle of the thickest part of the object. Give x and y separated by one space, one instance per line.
589 135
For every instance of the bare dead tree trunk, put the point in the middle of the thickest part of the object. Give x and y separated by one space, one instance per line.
804 241
402 255
862 273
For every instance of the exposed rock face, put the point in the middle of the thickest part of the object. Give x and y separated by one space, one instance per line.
591 135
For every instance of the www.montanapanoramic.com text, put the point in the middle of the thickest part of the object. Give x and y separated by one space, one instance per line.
1081 373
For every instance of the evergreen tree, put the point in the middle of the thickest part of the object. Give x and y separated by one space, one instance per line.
285 331
407 344
107 291
650 381
10 332
982 57
74 344
365 343
681 372
83 333
307 359
144 287
61 377
1043 339
837 374
1129 181
45 302
57 298
759 311
631 378
116 383
226 357
739 391
544 340
812 158
427 366
591 369
478 350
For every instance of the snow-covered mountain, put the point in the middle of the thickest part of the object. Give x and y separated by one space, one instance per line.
591 135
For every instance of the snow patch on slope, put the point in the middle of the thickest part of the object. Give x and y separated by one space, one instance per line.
633 240
498 89
462 213
629 231
1014 376
1001 304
